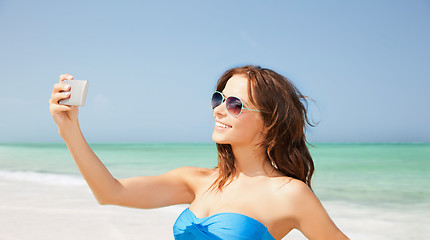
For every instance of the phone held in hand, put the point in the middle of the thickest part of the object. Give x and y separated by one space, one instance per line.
78 92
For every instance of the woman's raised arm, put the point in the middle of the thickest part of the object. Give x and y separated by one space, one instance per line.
142 192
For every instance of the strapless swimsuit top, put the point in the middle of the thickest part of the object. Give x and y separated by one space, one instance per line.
221 226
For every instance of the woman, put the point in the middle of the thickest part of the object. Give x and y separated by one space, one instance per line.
261 188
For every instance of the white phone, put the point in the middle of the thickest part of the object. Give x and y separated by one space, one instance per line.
78 92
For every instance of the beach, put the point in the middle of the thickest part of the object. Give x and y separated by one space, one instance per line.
37 211
47 204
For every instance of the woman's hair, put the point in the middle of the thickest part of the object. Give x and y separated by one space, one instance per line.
285 118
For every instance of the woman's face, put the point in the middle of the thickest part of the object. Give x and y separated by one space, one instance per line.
245 129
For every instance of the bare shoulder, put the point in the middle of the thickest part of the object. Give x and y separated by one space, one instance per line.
296 195
194 176
305 209
290 188
193 171
295 190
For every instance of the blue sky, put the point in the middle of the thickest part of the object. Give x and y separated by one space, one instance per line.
152 65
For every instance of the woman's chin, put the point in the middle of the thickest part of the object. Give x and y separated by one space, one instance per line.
219 139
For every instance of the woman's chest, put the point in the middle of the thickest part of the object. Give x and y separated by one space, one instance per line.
253 200
258 200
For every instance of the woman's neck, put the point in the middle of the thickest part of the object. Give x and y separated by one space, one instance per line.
251 161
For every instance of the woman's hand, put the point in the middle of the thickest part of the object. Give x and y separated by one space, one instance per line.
63 115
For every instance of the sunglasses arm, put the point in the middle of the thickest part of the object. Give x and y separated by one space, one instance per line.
255 110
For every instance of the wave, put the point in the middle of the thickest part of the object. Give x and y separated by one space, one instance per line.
43 178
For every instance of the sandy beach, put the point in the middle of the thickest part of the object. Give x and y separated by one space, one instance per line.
39 211
33 210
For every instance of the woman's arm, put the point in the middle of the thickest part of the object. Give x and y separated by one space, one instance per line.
142 192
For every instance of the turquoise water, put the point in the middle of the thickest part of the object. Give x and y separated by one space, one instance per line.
373 173
376 174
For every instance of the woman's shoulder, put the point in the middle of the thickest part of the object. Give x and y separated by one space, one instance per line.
196 177
291 190
296 201
294 197
196 174
195 171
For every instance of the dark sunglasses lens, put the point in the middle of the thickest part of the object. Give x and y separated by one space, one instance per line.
216 100
234 105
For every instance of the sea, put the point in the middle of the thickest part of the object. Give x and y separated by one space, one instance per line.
391 176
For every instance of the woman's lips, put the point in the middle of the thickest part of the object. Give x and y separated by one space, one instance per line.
222 125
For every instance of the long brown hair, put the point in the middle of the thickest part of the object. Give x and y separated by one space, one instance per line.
285 118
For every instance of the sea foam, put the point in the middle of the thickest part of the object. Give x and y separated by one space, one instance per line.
43 178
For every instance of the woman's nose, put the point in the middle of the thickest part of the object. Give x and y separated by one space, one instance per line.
220 110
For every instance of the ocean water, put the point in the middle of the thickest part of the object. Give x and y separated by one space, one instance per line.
375 174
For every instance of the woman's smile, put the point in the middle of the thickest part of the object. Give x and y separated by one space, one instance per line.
221 126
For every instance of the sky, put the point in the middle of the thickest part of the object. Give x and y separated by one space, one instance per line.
152 65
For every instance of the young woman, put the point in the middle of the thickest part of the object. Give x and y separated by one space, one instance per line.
261 188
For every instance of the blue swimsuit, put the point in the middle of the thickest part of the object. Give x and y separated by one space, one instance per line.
221 226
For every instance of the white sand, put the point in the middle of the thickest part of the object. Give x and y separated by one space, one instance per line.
30 210
36 211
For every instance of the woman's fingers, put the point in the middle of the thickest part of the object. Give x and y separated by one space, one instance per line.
59 92
58 96
60 108
62 114
59 87
65 76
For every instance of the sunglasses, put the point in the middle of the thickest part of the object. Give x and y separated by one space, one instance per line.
233 104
